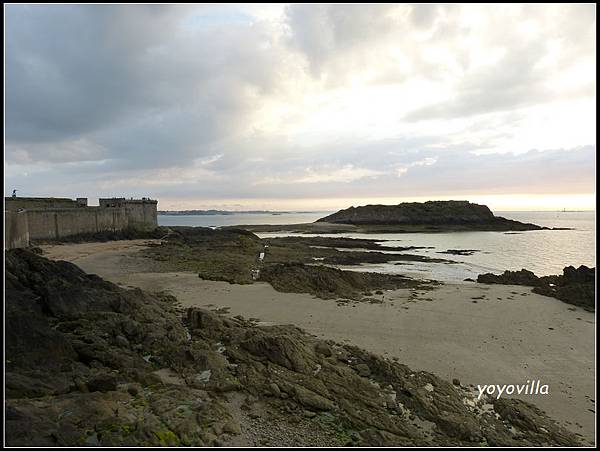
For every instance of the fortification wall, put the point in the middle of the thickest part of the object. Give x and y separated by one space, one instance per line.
54 218
16 229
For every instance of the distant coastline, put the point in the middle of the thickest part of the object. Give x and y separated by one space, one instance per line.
273 212
225 212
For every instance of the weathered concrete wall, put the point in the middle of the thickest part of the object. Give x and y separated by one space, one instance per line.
73 222
112 219
42 224
135 213
151 215
17 203
58 223
142 215
16 230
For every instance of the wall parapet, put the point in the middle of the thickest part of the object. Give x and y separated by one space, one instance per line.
23 203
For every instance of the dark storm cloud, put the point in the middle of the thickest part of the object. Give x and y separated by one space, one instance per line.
128 80
72 70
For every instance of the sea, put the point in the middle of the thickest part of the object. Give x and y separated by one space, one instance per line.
544 252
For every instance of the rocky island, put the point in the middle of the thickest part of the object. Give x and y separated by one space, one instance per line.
452 214
432 216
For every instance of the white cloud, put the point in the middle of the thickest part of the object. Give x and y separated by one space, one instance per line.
428 161
345 174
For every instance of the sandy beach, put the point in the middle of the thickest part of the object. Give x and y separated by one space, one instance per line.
478 334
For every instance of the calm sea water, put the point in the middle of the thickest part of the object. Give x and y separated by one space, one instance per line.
237 219
543 252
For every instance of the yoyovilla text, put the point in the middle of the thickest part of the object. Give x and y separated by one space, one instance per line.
529 388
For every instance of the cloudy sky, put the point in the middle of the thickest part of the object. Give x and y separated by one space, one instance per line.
303 106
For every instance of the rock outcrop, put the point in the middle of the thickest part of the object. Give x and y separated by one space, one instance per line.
91 364
332 283
454 214
287 263
575 286
522 277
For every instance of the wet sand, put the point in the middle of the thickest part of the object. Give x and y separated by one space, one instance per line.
507 335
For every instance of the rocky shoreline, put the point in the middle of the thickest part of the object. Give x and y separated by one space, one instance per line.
90 363
289 264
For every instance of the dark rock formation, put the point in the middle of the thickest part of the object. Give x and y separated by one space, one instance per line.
459 251
522 277
338 251
226 255
92 364
575 286
330 283
432 213
337 242
231 255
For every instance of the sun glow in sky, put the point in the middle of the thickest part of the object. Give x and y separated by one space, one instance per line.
303 107
517 202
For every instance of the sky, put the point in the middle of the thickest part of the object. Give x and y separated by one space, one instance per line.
302 107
